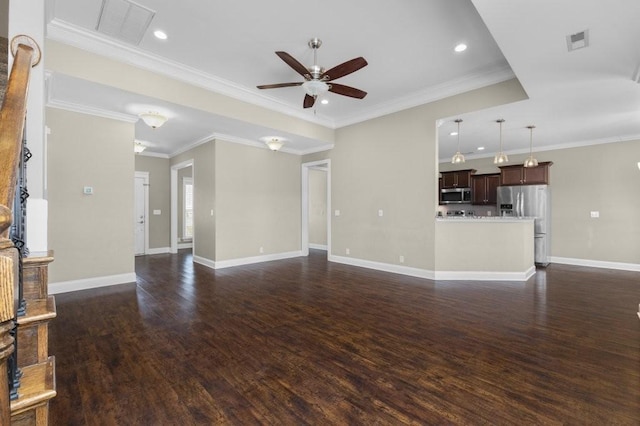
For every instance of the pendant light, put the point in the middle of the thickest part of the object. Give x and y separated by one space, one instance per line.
458 157
500 157
531 162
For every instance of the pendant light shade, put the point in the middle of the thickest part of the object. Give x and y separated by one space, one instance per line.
531 162
500 157
458 157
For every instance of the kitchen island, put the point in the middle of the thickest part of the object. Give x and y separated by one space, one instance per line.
484 248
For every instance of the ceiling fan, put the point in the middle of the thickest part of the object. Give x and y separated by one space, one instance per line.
317 78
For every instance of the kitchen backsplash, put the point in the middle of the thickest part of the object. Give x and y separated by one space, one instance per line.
468 208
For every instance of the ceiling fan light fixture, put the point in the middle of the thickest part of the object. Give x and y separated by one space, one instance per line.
315 87
153 119
458 158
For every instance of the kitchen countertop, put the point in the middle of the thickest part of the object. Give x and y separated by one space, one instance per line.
494 219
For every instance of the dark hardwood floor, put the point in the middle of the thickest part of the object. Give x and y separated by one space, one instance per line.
303 341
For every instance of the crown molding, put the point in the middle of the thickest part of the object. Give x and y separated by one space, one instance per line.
192 145
84 109
569 145
73 35
477 80
247 142
322 148
146 153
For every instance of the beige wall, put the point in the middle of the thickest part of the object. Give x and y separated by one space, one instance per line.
602 178
257 201
318 207
390 163
92 235
182 173
159 199
204 223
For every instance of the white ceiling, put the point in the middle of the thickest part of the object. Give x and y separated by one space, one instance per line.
584 96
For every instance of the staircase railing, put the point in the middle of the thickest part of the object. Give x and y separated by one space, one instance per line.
12 120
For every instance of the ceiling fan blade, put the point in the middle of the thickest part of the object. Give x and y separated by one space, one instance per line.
341 89
275 86
308 101
344 68
293 63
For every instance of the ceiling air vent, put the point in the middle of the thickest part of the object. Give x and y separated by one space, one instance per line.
124 20
578 40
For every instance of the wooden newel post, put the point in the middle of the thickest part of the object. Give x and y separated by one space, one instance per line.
12 118
8 277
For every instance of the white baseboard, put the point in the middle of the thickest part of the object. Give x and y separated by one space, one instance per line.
185 245
245 260
485 275
386 267
159 250
436 275
95 282
596 263
318 246
204 261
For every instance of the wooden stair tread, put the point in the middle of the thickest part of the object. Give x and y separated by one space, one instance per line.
37 386
38 258
39 310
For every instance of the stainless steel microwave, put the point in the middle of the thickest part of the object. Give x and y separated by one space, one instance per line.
455 196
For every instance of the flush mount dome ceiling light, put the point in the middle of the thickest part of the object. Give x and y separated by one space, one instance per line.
153 119
500 157
138 147
458 157
273 142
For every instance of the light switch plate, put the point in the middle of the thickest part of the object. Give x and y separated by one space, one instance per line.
157 212
595 215
87 190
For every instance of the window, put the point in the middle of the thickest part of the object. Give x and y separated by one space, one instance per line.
187 196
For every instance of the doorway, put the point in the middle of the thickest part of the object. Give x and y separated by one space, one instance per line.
141 210
177 205
309 216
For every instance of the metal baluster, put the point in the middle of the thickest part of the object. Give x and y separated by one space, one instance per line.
18 234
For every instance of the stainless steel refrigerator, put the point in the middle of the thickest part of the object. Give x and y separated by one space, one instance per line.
530 201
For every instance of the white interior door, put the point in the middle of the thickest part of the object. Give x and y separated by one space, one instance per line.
140 213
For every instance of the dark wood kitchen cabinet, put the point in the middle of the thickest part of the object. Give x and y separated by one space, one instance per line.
484 189
517 174
457 179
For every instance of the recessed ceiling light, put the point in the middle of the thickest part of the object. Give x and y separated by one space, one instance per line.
481 148
460 47
453 134
324 101
160 34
